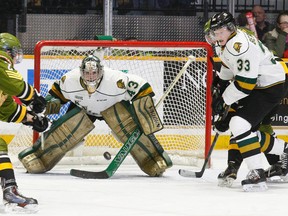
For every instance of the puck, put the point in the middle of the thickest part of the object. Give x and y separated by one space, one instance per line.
107 155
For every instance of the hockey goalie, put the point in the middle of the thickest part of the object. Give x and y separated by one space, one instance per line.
96 92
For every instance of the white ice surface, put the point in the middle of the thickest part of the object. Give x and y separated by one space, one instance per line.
130 192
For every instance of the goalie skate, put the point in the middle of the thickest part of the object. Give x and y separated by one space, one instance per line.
14 202
256 181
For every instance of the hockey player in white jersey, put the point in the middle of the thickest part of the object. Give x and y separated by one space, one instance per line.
256 86
101 93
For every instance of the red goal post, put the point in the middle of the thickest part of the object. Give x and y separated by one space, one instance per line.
185 112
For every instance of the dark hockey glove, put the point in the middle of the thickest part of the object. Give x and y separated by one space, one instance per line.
219 84
218 105
222 125
38 103
38 124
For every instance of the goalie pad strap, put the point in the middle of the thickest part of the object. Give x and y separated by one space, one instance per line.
53 105
148 154
64 135
147 115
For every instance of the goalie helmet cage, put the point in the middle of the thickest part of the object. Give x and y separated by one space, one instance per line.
185 111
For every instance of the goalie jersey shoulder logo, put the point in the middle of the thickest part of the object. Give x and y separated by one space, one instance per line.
120 84
63 78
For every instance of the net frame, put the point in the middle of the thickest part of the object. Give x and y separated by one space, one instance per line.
134 44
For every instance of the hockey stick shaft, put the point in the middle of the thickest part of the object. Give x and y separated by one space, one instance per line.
128 145
181 72
188 173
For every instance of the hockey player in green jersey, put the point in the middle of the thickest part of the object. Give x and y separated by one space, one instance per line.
29 113
247 64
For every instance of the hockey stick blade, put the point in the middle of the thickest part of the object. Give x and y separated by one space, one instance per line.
191 174
115 163
89 174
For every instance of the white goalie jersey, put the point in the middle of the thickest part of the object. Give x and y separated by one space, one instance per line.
114 87
249 64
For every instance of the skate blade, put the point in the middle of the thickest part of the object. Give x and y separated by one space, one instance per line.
14 208
278 179
228 182
262 186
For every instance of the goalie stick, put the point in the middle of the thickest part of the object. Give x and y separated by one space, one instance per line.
116 162
128 145
192 174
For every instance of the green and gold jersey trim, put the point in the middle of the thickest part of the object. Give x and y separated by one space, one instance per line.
244 84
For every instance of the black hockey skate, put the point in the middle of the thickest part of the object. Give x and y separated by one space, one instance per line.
278 172
227 177
255 181
16 202
284 162
274 170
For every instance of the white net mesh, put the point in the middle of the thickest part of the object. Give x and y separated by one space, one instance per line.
183 112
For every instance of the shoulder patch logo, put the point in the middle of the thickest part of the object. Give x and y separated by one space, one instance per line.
237 46
120 84
63 79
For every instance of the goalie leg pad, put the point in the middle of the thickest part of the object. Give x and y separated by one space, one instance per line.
147 115
150 156
64 135
120 121
147 152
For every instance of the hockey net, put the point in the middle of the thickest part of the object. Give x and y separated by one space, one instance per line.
185 112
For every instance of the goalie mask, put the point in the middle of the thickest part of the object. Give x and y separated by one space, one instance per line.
91 71
11 45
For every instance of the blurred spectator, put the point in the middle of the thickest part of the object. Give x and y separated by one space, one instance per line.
124 6
262 26
242 22
277 39
145 7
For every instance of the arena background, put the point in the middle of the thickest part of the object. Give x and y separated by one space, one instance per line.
33 27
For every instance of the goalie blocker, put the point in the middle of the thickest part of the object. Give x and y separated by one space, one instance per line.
122 118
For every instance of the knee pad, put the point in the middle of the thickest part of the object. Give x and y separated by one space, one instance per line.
238 125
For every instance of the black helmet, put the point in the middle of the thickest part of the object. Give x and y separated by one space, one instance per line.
10 44
222 19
